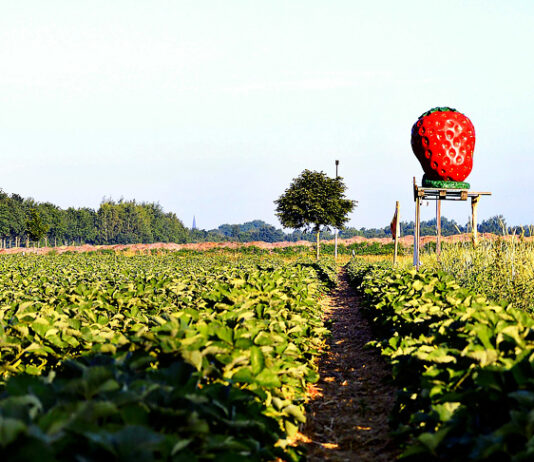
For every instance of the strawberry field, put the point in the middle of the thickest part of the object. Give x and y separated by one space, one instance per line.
182 356
463 365
156 357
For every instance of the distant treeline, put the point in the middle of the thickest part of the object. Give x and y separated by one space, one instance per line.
258 230
24 222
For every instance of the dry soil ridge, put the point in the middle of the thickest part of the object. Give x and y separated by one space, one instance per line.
348 414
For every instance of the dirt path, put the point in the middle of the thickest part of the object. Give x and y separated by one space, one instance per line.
348 417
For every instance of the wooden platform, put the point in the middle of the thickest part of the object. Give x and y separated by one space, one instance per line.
439 194
444 194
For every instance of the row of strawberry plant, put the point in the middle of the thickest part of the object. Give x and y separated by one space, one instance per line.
247 325
463 365
105 408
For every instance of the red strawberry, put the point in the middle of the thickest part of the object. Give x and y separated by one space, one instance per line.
443 140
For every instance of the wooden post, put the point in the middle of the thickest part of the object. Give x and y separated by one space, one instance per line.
438 228
416 232
474 230
397 233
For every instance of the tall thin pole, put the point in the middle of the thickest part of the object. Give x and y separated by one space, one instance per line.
397 232
336 231
474 226
438 228
416 232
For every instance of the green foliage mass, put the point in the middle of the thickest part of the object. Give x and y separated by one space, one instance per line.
35 226
128 222
258 230
464 366
502 269
103 408
122 222
314 201
171 357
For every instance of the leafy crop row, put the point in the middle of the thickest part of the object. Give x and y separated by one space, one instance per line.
191 357
100 408
464 366
358 248
502 269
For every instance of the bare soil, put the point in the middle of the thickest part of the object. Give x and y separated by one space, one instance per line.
347 419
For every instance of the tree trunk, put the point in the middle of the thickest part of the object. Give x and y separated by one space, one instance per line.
27 242
55 241
318 232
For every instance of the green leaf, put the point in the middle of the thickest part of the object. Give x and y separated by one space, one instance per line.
257 360
291 428
10 429
417 285
484 334
511 332
182 444
263 339
21 407
225 334
432 440
244 375
295 412
446 410
267 378
193 357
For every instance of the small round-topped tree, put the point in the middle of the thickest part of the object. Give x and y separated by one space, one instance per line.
443 140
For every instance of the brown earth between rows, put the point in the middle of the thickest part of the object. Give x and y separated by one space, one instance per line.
347 419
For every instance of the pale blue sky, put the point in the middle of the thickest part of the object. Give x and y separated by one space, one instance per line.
212 107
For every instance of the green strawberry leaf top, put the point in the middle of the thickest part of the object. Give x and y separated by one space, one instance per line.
438 109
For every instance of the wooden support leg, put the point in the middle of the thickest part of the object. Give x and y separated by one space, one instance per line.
438 228
397 233
416 233
474 206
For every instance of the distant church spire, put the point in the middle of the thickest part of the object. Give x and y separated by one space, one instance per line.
194 223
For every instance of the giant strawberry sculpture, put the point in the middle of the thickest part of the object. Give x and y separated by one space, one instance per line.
443 140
